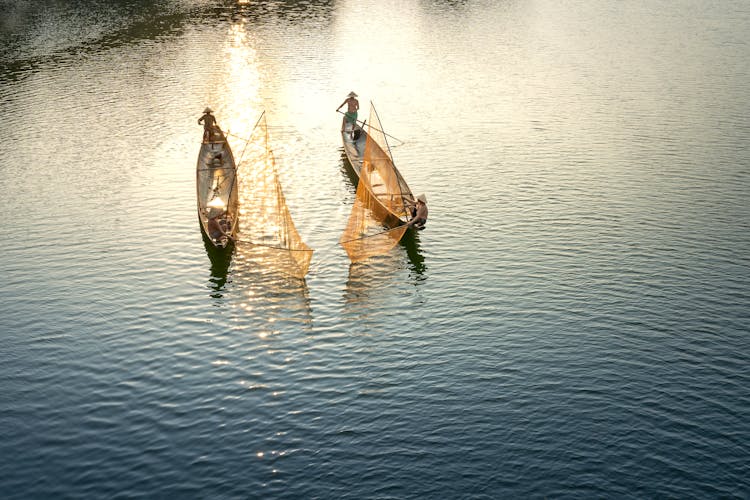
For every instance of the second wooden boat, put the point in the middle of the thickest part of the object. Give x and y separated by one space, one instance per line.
382 207
366 146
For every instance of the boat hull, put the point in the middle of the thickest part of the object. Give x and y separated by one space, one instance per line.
354 149
217 191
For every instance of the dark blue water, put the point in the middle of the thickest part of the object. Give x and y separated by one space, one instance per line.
573 323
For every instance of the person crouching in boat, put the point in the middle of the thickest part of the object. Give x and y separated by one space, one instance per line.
209 124
352 105
419 213
218 226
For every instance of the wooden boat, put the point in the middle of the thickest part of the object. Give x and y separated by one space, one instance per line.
366 144
217 191
354 138
382 207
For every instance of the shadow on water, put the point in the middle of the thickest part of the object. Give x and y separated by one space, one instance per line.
220 259
410 242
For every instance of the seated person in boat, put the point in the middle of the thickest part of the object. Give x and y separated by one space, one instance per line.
209 124
218 226
352 105
419 212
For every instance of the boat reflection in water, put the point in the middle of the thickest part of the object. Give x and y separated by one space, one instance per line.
220 258
372 285
410 242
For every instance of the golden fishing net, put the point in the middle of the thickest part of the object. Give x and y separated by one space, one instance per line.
264 221
384 179
381 200
365 235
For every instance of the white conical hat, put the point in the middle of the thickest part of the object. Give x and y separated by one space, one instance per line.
352 94
422 198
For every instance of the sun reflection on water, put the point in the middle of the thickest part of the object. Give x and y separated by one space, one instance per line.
242 95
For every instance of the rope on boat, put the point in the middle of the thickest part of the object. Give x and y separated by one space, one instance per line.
381 131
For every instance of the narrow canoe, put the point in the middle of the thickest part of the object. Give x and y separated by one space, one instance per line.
217 191
384 206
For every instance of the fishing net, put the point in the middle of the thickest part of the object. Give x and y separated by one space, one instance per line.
383 178
381 200
365 235
265 223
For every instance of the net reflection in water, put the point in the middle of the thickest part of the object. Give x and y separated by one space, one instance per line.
365 236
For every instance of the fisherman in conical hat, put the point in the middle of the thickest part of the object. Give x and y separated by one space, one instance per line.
219 225
351 111
419 212
209 124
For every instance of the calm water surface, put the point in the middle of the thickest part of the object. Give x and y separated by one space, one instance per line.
573 323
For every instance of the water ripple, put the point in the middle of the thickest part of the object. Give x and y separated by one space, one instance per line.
572 323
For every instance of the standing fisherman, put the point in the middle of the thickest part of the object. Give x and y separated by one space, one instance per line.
209 124
351 110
